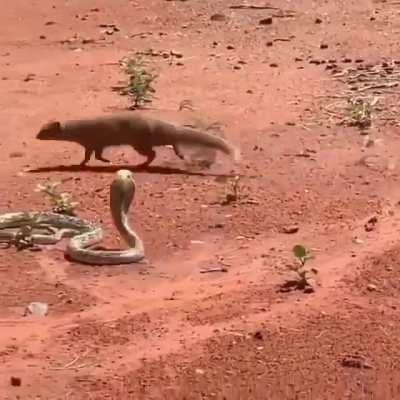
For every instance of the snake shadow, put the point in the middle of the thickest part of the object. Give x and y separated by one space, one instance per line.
114 168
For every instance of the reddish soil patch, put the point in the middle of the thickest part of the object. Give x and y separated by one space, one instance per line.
164 329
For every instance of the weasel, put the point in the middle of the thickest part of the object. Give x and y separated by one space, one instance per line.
130 128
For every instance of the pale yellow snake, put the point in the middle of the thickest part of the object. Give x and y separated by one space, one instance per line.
50 228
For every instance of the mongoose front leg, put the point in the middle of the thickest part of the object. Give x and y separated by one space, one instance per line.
88 154
98 154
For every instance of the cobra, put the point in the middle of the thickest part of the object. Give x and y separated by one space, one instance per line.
49 228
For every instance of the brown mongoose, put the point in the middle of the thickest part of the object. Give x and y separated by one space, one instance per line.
129 128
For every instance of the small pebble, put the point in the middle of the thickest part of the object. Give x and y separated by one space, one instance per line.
371 287
266 21
15 381
218 17
290 229
199 371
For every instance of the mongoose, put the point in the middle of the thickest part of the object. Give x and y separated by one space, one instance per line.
130 128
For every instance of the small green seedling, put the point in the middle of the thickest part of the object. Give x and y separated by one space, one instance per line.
62 202
304 280
302 254
139 85
233 191
360 112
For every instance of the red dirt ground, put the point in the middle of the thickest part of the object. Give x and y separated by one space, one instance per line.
163 330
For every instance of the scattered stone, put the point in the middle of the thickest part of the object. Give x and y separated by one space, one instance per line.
36 308
230 47
88 41
355 361
200 371
290 229
298 59
29 77
218 17
273 65
176 54
370 224
315 61
265 21
269 44
258 335
347 60
318 20
48 23
323 46
371 287
16 154
15 381
197 242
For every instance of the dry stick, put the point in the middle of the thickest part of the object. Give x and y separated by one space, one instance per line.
380 86
71 363
220 269
140 34
253 7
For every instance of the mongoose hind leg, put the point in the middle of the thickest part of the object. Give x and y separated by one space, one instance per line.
178 152
88 154
147 152
98 154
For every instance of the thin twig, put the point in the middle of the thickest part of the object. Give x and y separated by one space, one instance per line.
218 269
253 7
71 363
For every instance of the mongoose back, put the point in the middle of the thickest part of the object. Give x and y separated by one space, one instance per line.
129 128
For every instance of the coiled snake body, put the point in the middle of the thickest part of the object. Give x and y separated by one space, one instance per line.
50 228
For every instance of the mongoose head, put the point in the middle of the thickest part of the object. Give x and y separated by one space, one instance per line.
49 131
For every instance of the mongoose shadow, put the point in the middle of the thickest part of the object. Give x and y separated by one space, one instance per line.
138 169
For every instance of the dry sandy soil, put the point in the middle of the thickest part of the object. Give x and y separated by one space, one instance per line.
163 329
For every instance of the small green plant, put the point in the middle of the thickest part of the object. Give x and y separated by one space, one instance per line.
360 112
302 254
305 277
139 85
233 191
61 202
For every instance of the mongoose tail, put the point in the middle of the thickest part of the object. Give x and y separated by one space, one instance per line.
193 137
